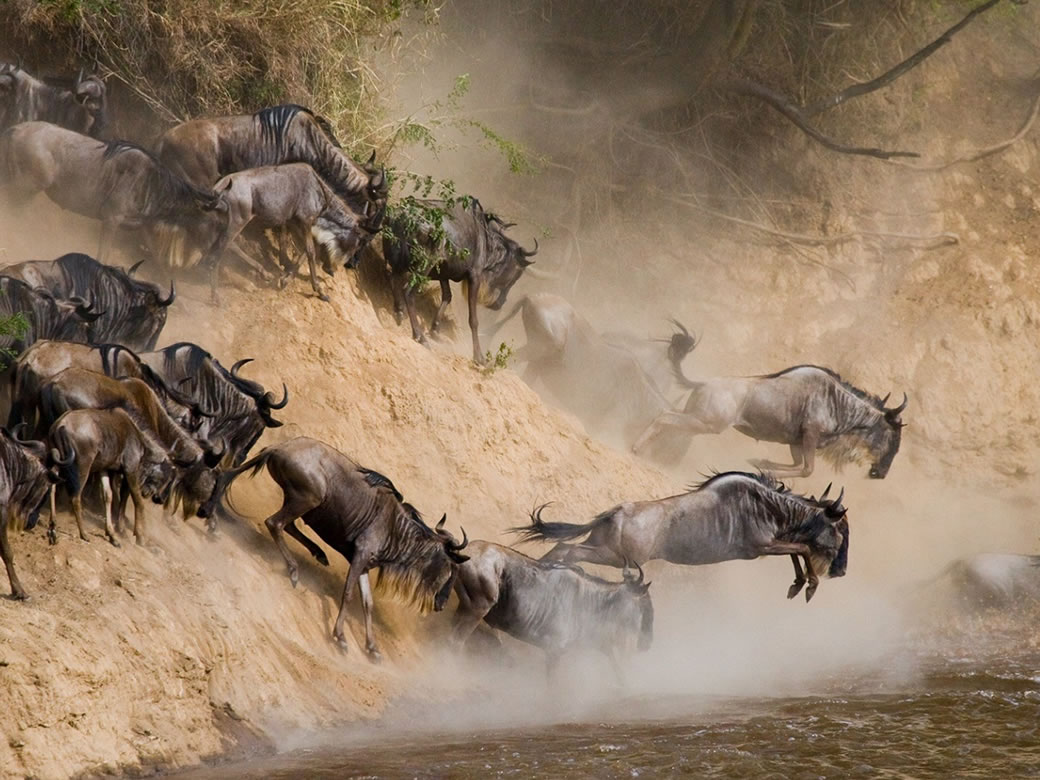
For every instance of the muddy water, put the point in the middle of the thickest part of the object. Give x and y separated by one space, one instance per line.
962 716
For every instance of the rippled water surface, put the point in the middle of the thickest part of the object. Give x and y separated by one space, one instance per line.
966 717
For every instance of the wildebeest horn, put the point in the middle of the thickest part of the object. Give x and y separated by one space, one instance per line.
444 519
456 547
897 410
836 509
86 312
680 326
133 269
269 397
372 158
533 252
885 399
172 296
238 365
826 491
377 180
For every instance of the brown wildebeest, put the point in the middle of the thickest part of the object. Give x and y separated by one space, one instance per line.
118 183
109 442
47 317
360 514
732 516
27 99
808 408
551 605
294 198
24 480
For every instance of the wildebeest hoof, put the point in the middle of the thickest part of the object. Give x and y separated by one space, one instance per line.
341 642
114 541
20 595
282 281
85 538
321 558
398 317
323 297
795 589
294 577
374 656
52 536
809 592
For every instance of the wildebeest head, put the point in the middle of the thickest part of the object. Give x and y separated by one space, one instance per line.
198 478
157 474
452 557
886 437
829 542
639 603
90 93
506 262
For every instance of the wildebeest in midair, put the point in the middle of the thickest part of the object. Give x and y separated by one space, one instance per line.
24 480
552 605
474 249
294 198
808 408
132 311
46 316
361 515
24 98
121 184
732 516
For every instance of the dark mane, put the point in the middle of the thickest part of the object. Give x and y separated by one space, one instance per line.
763 479
863 395
375 479
275 121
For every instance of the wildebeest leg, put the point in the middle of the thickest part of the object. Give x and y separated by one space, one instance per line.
473 607
445 303
292 507
793 549
283 260
52 530
799 578
312 250
684 421
803 456
397 283
358 567
106 490
574 553
365 589
474 325
250 262
413 315
135 493
319 554
17 591
77 510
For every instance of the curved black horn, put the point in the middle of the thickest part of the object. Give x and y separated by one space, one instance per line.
836 503
238 365
443 520
133 269
897 410
533 252
827 490
681 327
86 312
456 547
885 399
281 404
172 296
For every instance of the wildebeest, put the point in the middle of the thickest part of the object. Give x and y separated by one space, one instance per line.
132 311
47 317
731 516
361 515
605 385
203 150
551 605
27 99
474 249
118 183
294 198
24 481
996 580
110 442
238 409
808 408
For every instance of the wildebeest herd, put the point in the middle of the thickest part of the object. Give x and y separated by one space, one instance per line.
95 407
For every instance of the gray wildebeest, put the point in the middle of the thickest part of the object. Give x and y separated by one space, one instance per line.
47 317
203 150
732 516
293 198
360 514
118 183
808 408
24 98
132 311
606 385
109 442
24 480
552 605
994 580
473 249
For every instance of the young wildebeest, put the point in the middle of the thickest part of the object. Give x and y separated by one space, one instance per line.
109 442
551 605
26 99
474 249
808 408
132 312
295 198
118 183
23 486
360 514
732 516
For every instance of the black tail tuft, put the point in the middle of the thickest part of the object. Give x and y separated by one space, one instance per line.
541 531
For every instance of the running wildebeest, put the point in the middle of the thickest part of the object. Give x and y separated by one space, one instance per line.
203 150
605 385
732 516
294 198
474 249
118 183
551 605
133 312
110 442
24 480
46 316
808 408
360 514
27 99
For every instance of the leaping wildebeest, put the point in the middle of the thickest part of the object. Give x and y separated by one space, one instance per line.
732 516
361 515
473 249
132 311
554 606
24 480
24 98
118 183
293 198
808 408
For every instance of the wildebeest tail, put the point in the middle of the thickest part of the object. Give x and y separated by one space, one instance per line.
541 531
229 476
63 456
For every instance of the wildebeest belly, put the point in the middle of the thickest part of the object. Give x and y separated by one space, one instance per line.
329 527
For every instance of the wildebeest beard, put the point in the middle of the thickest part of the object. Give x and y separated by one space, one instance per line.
868 436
